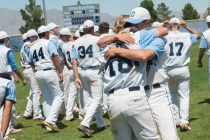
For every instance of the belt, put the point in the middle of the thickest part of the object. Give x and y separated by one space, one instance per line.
44 69
5 76
135 88
147 87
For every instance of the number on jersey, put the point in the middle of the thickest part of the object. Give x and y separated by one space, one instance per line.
68 56
177 44
39 55
83 52
124 66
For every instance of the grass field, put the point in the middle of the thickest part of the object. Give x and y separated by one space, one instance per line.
199 112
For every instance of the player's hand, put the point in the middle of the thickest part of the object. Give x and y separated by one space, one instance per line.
200 65
183 24
24 82
78 83
60 75
111 52
125 38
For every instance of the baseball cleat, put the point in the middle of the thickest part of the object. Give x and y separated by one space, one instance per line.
15 131
184 127
69 118
177 124
54 127
85 130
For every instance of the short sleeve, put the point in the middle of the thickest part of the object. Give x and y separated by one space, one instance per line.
146 36
193 38
74 54
52 50
203 43
11 60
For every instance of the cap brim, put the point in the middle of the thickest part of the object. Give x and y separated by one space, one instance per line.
134 21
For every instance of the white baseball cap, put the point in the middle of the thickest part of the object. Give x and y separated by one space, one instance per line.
138 15
65 31
174 20
52 26
96 28
156 24
24 36
81 28
76 34
208 18
32 32
88 24
43 29
3 35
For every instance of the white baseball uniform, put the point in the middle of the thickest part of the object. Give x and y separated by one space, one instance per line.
87 49
34 96
177 56
124 80
40 53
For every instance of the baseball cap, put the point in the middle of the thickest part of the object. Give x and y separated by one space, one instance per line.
81 28
138 15
24 36
3 35
156 24
88 24
174 20
76 34
96 28
52 26
65 31
43 29
208 18
32 32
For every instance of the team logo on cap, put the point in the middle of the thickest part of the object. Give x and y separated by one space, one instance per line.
133 14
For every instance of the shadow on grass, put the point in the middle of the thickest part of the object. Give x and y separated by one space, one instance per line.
206 101
192 119
97 130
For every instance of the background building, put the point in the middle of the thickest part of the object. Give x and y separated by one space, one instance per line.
75 15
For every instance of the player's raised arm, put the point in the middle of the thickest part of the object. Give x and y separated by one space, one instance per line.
192 31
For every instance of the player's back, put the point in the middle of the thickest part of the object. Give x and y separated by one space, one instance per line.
4 64
206 35
87 49
67 50
24 56
177 49
40 55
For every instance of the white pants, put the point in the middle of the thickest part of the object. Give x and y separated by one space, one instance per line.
160 103
34 96
92 84
130 116
51 91
179 81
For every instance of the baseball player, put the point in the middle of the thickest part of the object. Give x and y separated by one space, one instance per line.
177 58
204 46
125 78
48 72
33 101
87 49
7 87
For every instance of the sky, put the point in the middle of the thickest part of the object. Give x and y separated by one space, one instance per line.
112 7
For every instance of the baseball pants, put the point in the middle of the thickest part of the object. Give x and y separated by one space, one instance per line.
160 103
130 116
179 81
51 91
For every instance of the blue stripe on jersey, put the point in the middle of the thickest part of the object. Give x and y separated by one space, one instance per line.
10 92
11 60
203 43
52 49
193 38
146 36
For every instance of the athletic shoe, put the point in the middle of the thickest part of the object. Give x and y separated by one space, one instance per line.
15 131
7 138
102 128
184 127
70 118
39 118
82 113
54 127
177 124
27 116
85 130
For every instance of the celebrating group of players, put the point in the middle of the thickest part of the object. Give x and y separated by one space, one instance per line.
135 73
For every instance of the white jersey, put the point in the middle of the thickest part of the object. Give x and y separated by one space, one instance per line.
59 49
87 49
4 63
67 49
40 55
123 73
177 49
24 57
206 34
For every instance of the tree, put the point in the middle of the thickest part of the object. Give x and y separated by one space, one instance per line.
149 5
163 12
189 12
32 16
206 13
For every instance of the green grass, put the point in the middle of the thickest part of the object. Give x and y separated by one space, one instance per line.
199 112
